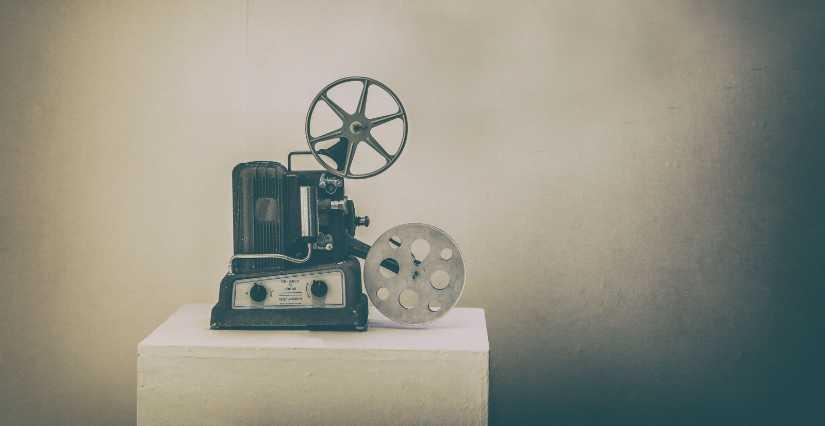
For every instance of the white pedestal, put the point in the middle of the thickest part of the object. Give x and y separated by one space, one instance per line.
191 375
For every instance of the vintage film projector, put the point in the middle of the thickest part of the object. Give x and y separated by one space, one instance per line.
295 257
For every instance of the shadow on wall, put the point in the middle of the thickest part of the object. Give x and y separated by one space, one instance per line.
750 353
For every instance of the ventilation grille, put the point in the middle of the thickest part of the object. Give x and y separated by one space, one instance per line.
259 223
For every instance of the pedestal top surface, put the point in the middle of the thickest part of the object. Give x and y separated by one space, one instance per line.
187 332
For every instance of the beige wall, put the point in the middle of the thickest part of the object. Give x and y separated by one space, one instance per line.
614 173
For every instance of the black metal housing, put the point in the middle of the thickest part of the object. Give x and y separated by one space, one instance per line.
352 316
267 219
267 211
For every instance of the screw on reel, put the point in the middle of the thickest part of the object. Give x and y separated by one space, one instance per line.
355 129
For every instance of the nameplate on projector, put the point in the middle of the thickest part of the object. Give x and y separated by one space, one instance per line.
290 291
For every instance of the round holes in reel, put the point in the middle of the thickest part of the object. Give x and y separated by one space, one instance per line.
408 299
440 280
383 293
389 268
420 249
446 254
429 280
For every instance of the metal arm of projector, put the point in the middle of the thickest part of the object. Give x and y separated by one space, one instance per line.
361 249
358 248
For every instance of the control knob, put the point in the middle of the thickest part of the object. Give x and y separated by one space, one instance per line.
257 293
318 288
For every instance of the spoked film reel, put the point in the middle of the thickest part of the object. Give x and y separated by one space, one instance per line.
414 273
355 130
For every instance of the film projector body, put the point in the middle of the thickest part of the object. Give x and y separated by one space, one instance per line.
295 262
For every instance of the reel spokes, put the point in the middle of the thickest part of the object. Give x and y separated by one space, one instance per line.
355 130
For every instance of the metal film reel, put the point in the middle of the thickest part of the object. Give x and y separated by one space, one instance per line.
355 130
406 288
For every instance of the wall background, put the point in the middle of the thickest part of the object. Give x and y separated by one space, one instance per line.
636 187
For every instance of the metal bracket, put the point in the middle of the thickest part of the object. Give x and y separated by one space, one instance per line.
289 157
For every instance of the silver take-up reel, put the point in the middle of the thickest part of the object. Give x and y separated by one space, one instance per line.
414 273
